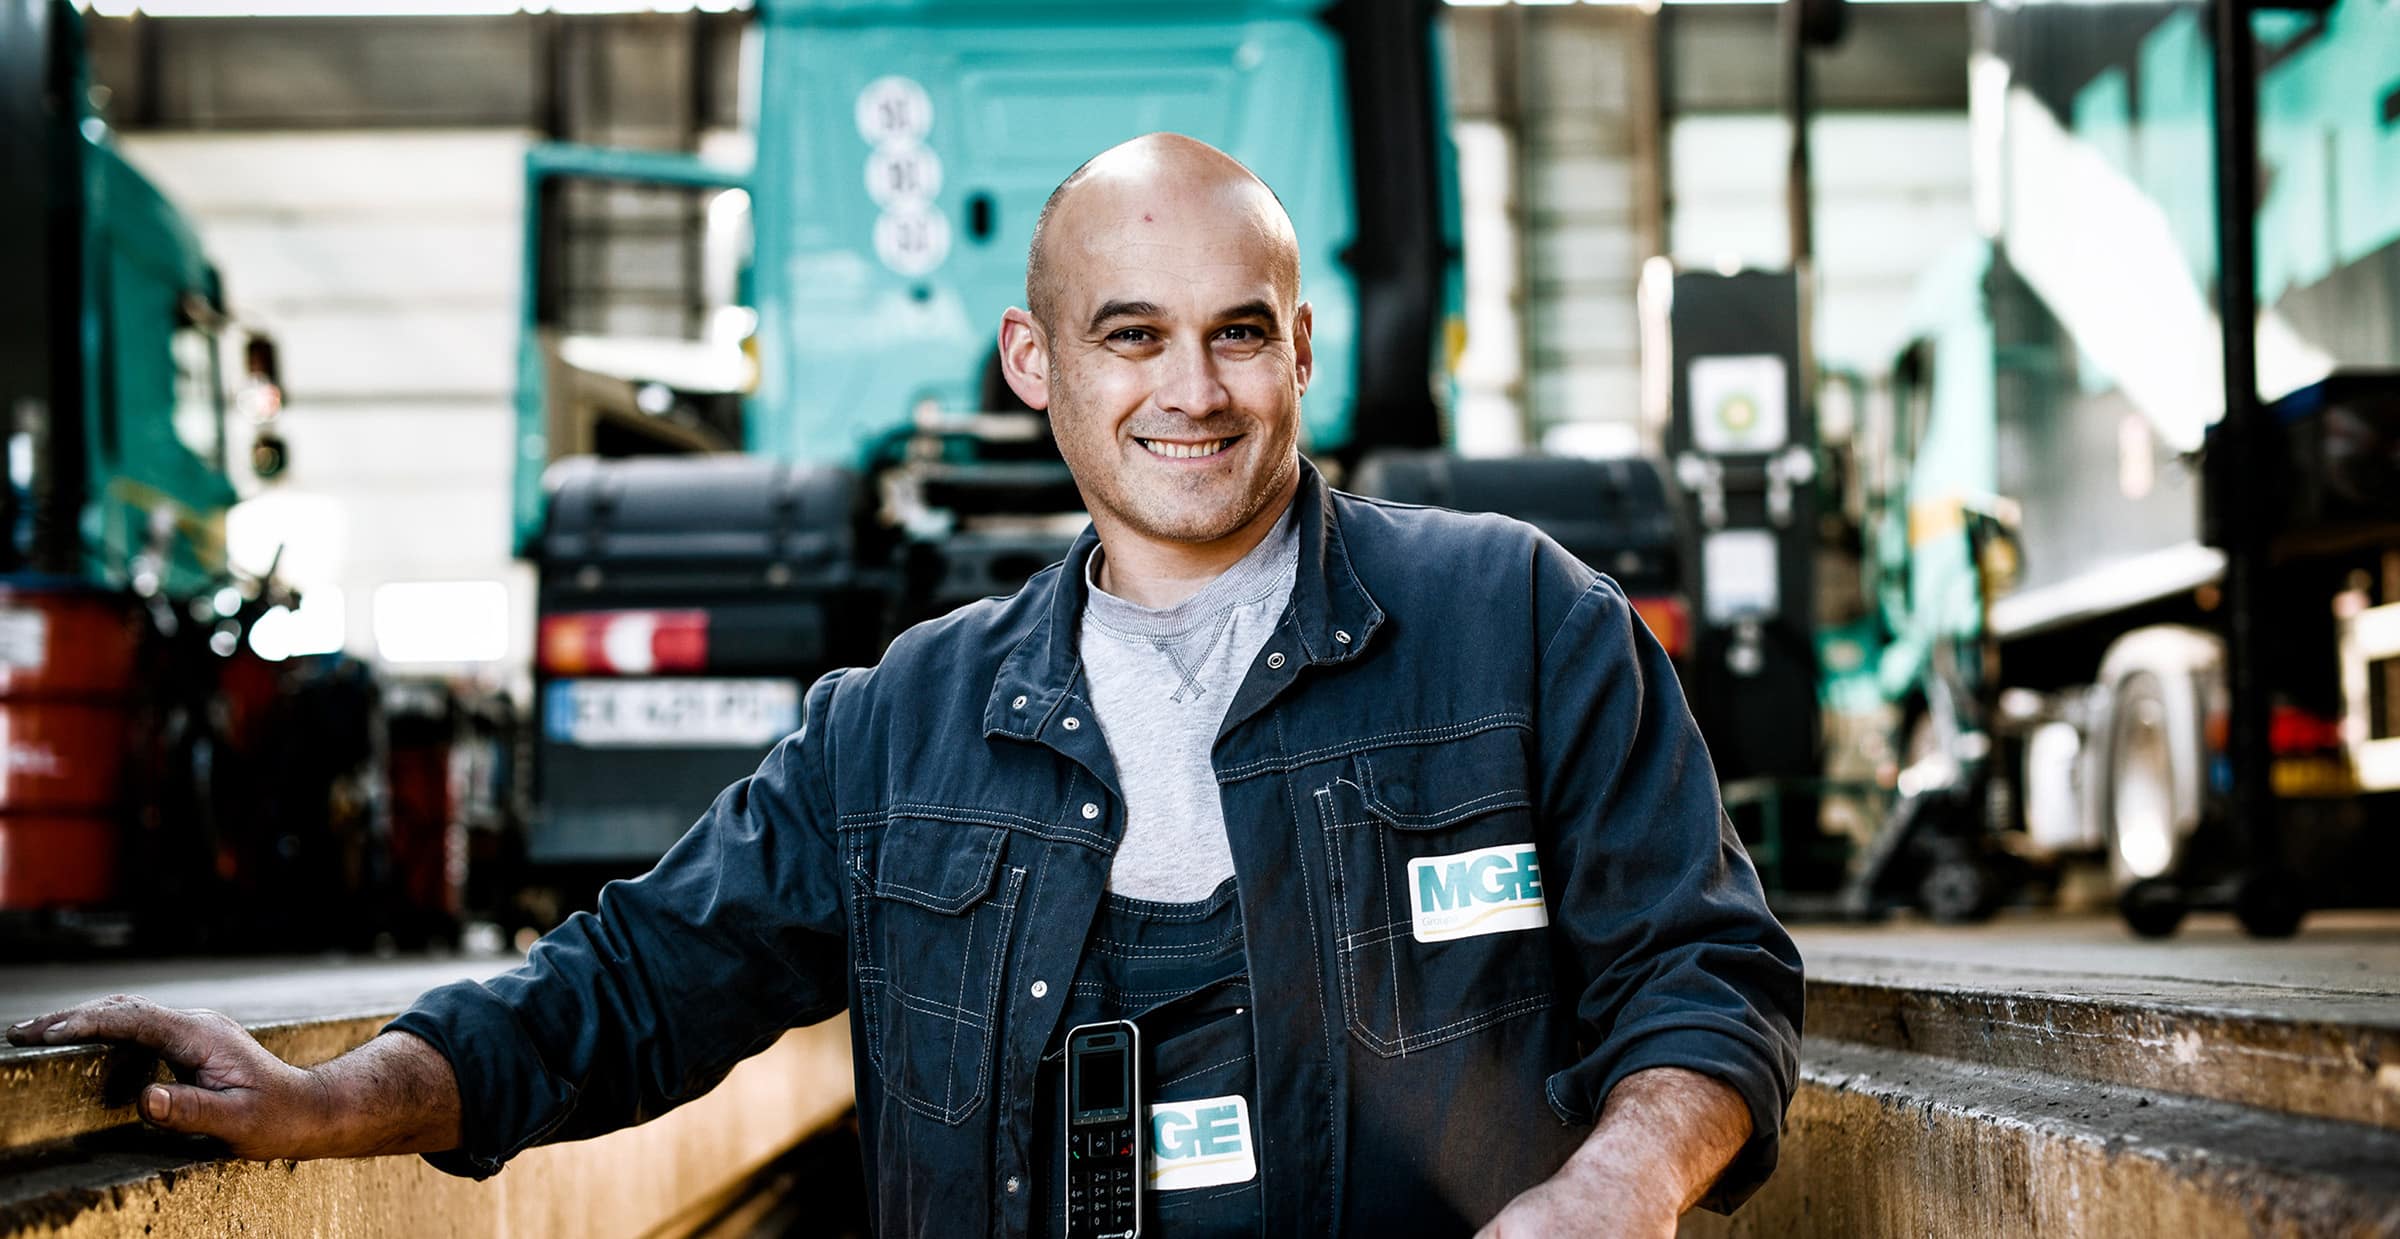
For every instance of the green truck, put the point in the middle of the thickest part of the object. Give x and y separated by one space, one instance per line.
119 614
2121 621
825 453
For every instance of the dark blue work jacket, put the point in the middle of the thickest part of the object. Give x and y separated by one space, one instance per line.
1482 867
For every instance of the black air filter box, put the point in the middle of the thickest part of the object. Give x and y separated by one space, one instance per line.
1612 514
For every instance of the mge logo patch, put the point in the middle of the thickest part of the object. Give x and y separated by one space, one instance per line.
1486 891
1201 1143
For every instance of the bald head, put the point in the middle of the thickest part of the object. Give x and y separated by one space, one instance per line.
1164 335
1153 185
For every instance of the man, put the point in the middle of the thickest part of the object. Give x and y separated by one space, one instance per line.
1388 827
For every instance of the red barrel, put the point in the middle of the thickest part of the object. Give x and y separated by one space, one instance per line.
67 674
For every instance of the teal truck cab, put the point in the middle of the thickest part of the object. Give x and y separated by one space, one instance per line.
717 519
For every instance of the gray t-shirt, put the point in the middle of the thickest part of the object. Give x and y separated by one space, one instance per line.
1161 680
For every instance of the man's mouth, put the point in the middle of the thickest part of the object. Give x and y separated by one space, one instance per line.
1187 451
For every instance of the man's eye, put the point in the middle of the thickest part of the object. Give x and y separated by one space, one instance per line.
1244 333
1130 335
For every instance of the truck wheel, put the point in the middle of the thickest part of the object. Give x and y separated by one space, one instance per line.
1957 890
2268 905
2152 908
2143 842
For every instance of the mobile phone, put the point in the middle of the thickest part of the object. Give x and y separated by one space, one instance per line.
1105 1148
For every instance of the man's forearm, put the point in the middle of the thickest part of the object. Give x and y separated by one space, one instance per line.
1666 1132
395 1094
1664 1136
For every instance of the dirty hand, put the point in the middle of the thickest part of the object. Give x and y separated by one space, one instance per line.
1581 1202
232 1088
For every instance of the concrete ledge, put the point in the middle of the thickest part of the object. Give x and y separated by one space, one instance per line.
628 1183
1885 1143
2327 1056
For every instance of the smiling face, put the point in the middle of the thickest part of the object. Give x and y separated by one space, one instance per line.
1170 347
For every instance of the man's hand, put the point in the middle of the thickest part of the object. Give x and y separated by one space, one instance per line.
1587 1200
235 1090
1662 1139
394 1094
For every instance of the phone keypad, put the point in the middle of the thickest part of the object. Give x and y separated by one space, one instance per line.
1101 1197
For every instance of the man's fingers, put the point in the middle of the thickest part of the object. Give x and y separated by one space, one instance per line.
122 1017
56 1028
182 1037
197 1111
29 1032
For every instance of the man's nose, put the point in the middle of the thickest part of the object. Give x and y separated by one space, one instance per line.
1191 385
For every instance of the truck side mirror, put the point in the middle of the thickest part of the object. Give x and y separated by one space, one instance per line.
262 398
259 362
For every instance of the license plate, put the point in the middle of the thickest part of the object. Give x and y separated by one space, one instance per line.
24 638
671 713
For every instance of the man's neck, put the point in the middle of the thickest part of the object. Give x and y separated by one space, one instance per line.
1158 573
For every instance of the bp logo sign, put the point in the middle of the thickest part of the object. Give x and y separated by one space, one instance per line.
1738 404
1201 1143
1486 891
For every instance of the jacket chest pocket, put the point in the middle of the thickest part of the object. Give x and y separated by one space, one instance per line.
1439 907
932 906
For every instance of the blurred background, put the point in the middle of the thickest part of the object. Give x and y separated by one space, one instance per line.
445 438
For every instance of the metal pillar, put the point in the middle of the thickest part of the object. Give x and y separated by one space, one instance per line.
1798 106
2245 451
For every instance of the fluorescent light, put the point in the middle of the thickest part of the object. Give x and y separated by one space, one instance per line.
441 621
1652 5
318 627
399 8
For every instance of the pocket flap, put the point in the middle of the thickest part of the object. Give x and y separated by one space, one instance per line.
1432 786
944 867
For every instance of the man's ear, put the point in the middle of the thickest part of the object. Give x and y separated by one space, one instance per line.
1025 358
1304 352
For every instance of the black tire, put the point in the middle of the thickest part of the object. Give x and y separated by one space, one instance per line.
2269 906
2137 786
2152 908
1958 890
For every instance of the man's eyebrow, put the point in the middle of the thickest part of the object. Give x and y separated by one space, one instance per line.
1123 309
1259 310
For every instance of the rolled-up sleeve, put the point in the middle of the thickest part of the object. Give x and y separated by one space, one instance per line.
1682 964
619 1016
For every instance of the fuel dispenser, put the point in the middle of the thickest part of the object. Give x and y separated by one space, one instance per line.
1724 383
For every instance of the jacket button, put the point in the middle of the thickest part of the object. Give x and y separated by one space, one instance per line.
1090 811
1019 703
1274 662
1039 988
1069 723
1341 636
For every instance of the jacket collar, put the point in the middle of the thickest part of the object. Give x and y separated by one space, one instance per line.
1331 615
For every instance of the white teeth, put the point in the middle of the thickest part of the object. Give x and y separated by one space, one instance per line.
1182 451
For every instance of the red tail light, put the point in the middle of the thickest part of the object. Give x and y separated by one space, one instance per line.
624 642
2290 731
1668 619
2293 730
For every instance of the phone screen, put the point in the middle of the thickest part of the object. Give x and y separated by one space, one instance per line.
1100 1080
